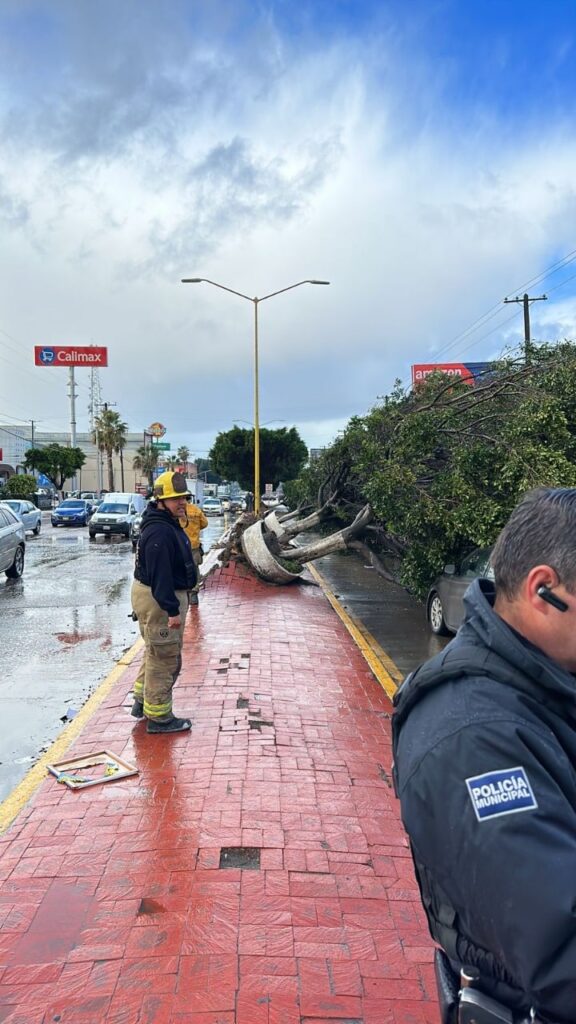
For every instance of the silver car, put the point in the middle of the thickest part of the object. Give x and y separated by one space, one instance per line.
12 543
27 512
445 601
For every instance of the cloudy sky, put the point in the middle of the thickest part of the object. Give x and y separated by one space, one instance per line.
419 155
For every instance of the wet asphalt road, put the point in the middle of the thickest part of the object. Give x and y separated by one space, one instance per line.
396 620
63 626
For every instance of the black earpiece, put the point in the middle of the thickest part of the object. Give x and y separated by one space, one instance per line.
546 594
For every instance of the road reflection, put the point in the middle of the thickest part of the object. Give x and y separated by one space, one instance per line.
63 626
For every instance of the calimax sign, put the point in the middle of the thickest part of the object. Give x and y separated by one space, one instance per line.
70 355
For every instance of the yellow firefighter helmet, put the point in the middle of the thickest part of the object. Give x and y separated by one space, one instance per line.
170 485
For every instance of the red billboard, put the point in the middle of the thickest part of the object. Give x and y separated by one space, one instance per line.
70 355
468 372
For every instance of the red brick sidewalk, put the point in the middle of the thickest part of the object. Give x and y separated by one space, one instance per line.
114 906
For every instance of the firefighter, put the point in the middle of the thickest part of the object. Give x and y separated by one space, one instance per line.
192 522
164 575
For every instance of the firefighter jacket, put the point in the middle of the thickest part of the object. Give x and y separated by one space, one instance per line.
192 523
485 769
164 558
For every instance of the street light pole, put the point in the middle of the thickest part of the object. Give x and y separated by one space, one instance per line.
255 302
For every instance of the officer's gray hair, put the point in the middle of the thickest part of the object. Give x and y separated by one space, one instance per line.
540 531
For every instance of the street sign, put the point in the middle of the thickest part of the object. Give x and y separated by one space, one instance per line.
70 355
156 429
162 445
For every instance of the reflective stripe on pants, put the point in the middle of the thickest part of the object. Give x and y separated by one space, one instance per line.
163 651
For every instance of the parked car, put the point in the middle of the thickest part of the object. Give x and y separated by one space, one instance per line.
27 512
444 604
237 504
116 514
12 543
212 507
72 512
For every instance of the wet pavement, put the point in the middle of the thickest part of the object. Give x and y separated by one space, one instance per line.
63 626
254 871
393 617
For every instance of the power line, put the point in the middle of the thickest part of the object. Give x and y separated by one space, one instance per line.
494 310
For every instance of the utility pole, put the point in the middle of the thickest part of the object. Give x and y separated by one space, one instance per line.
526 300
72 387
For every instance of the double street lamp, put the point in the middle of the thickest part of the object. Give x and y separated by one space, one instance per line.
255 302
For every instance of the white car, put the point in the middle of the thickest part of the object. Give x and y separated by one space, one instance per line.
12 543
212 507
27 512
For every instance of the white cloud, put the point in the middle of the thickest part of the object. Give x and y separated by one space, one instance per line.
180 155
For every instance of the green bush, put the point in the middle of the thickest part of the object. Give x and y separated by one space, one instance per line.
20 486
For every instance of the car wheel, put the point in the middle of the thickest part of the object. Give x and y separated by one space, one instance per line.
17 568
55 525
436 616
36 529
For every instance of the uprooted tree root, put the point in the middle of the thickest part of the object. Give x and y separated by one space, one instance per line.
270 549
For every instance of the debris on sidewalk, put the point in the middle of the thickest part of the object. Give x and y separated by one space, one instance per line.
109 768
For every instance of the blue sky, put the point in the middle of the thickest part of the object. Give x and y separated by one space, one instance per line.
419 155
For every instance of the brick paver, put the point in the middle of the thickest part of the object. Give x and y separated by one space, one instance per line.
114 905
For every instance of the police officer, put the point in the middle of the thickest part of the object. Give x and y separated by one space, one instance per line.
485 768
164 574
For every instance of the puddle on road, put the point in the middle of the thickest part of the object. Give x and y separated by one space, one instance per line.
75 638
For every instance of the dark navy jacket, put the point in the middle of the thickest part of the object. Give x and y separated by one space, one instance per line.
164 560
485 767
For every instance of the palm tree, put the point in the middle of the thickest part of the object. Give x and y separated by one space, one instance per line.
183 455
109 436
172 462
146 460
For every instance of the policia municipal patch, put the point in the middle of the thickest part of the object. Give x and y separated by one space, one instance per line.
502 792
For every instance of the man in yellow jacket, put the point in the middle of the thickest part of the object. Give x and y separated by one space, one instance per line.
192 523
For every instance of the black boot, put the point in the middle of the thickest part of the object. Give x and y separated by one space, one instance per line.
137 709
169 725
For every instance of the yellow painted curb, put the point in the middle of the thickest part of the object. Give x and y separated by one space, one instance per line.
384 668
13 804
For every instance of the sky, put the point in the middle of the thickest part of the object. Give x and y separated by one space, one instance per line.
420 156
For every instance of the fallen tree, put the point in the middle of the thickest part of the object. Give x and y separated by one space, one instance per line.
428 474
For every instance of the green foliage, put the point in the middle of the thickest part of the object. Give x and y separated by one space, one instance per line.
57 462
282 455
21 485
109 436
146 460
444 465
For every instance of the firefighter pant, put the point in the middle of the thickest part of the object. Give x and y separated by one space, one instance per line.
163 652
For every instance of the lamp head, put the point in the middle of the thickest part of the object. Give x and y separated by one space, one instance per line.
192 280
318 282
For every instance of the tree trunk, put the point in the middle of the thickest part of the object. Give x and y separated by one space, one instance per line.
336 542
292 527
110 471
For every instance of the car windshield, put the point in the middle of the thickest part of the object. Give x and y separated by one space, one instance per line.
72 504
112 507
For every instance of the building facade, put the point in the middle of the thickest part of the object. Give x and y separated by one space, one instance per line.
15 442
